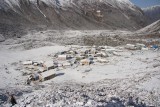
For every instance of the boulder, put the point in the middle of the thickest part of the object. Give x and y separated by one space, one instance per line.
80 103
89 103
2 38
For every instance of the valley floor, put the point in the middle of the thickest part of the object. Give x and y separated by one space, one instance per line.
132 75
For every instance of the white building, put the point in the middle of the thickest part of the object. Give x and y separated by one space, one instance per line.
62 57
48 65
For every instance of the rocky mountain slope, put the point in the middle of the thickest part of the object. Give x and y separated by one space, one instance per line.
72 14
153 13
152 28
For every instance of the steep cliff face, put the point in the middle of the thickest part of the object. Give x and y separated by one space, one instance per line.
153 13
73 14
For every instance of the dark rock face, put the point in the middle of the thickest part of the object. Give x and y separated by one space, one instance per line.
72 14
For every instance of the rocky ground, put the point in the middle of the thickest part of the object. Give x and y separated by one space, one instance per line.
106 93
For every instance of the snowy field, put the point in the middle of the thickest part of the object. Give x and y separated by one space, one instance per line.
131 73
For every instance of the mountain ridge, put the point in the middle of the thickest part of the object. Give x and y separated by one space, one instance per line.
153 13
72 14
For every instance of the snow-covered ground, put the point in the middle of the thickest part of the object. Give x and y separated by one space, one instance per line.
129 73
135 72
10 58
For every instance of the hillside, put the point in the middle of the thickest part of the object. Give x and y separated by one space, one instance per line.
152 28
72 14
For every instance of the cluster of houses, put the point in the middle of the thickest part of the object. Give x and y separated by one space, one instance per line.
139 46
77 56
74 57
82 56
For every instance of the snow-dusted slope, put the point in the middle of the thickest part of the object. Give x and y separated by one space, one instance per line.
73 14
153 13
153 28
